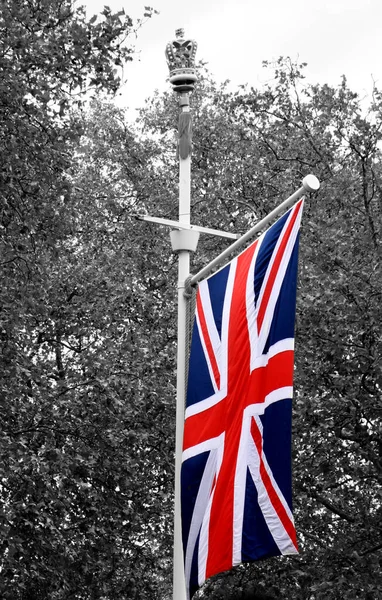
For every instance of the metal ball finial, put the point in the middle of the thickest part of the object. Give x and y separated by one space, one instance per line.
311 183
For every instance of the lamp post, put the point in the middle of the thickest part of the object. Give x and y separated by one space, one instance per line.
180 55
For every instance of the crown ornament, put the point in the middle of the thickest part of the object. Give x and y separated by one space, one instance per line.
180 55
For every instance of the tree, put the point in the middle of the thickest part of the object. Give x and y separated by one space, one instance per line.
76 478
88 320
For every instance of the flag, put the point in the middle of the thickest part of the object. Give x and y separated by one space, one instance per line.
236 495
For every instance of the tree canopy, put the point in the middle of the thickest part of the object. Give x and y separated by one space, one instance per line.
88 316
76 489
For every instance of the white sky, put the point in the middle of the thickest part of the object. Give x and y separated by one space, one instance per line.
335 38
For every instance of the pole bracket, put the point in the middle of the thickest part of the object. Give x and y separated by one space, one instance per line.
184 240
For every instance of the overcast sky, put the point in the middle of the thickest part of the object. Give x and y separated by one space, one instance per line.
335 38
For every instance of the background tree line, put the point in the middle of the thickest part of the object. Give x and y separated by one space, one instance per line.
88 315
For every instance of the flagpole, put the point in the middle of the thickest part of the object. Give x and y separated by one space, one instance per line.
179 245
180 56
310 183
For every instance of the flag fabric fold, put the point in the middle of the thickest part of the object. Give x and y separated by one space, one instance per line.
236 465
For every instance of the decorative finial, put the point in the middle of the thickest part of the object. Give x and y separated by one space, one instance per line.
180 55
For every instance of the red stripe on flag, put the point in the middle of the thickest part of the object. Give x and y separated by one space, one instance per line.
276 374
273 496
204 425
221 517
276 266
207 341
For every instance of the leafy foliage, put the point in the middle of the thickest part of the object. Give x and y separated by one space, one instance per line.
77 486
87 317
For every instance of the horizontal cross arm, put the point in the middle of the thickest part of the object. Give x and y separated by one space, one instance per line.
177 225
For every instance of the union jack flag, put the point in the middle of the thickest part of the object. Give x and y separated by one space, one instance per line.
236 464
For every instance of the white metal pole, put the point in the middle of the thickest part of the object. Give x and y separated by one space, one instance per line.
180 56
179 588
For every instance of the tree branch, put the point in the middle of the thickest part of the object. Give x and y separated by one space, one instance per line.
334 509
